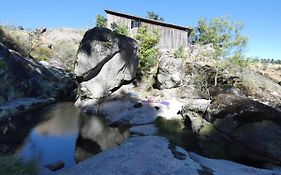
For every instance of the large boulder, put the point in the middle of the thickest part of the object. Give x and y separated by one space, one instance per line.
246 130
105 61
169 73
25 77
155 155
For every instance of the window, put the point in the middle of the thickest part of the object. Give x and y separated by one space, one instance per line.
135 23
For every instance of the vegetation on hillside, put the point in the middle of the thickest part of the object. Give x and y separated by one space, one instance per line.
264 60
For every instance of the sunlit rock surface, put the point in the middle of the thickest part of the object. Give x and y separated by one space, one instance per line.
155 155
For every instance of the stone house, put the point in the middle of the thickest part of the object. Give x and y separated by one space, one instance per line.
172 36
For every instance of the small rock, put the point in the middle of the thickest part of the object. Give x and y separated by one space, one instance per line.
156 107
55 166
137 105
169 73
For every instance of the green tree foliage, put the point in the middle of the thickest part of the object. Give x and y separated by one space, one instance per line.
224 34
101 21
148 53
154 16
264 60
120 29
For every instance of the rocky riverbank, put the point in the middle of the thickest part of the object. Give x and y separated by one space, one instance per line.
26 83
214 108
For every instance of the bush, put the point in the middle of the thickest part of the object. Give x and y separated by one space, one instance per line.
120 29
180 53
238 60
41 53
148 53
101 21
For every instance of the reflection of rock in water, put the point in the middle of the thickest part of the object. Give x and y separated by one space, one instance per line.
63 120
95 136
85 148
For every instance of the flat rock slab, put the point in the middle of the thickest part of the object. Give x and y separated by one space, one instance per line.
138 156
124 111
146 130
155 155
139 113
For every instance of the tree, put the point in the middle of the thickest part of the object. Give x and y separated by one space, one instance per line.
148 53
154 16
101 21
224 34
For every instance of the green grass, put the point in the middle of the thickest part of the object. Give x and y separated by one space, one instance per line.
11 165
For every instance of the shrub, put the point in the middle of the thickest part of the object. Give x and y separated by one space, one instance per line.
41 53
101 21
120 29
180 53
148 53
238 60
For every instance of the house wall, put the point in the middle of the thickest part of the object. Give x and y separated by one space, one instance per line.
171 38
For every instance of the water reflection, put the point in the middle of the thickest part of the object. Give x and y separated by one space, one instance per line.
63 120
68 135
54 139
95 136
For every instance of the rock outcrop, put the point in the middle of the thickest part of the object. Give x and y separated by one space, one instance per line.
57 47
26 78
16 39
170 72
155 155
105 61
235 112
251 130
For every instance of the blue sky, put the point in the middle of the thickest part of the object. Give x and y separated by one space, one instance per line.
262 18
